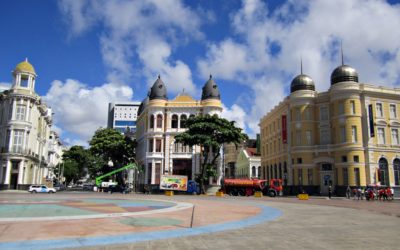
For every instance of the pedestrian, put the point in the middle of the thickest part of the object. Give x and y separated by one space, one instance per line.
330 191
348 192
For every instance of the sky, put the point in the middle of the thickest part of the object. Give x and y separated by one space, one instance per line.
89 53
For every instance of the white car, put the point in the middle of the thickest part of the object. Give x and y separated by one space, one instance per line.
41 189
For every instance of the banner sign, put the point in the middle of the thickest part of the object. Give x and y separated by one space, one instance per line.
174 182
284 129
371 121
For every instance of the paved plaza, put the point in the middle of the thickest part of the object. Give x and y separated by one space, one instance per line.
114 221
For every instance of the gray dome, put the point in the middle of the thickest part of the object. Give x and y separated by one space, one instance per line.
210 90
302 82
344 73
158 91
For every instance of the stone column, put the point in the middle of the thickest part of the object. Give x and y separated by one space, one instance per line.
8 172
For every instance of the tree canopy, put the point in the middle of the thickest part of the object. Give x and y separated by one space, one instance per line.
210 133
76 162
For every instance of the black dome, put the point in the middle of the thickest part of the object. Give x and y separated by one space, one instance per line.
344 73
158 91
210 90
302 82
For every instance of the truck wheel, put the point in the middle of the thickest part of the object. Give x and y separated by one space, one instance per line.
241 192
272 193
233 192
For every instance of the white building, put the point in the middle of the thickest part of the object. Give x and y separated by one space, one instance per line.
25 123
160 120
55 152
122 116
248 163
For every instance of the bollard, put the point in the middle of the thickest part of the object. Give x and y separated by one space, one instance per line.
169 192
219 194
258 194
303 197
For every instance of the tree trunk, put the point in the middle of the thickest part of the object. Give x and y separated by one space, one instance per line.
203 171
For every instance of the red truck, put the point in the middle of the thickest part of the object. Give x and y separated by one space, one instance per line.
247 187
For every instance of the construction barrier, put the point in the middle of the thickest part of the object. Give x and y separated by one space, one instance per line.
169 192
219 194
258 194
303 196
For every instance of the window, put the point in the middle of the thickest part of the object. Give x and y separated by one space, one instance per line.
396 170
356 158
307 113
253 171
379 110
353 107
259 173
17 141
393 113
298 138
344 158
345 177
300 176
158 145
125 123
381 135
325 136
174 121
183 121
298 114
357 176
21 111
151 121
340 108
323 113
310 176
151 145
308 137
383 174
149 168
395 136
299 160
159 121
353 134
24 81
157 173
342 134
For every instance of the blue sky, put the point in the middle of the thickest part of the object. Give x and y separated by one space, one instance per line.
89 53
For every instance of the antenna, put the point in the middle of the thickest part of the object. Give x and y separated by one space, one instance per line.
341 50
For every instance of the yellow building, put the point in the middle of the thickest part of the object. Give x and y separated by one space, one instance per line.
159 120
348 135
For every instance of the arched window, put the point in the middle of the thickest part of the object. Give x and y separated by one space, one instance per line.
191 116
396 170
383 172
159 121
152 121
183 121
253 171
174 121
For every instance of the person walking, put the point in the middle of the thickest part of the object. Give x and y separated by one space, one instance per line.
330 191
348 192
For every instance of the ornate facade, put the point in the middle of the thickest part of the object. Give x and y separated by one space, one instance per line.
159 120
348 135
25 123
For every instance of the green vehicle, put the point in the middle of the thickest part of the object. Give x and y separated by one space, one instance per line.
99 180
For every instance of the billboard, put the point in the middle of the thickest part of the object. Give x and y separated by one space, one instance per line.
173 182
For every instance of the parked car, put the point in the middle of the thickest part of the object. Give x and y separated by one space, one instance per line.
41 189
87 187
59 187
118 189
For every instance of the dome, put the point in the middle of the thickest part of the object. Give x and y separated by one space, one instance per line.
210 90
158 91
302 82
344 73
25 66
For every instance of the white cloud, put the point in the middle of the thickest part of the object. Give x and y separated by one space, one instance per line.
147 29
4 86
81 110
265 54
235 113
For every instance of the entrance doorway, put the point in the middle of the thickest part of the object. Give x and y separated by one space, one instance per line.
182 167
14 181
326 178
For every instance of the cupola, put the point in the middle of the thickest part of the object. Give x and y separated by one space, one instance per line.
158 91
210 90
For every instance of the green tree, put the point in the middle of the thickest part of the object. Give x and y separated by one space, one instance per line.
210 133
108 144
76 162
